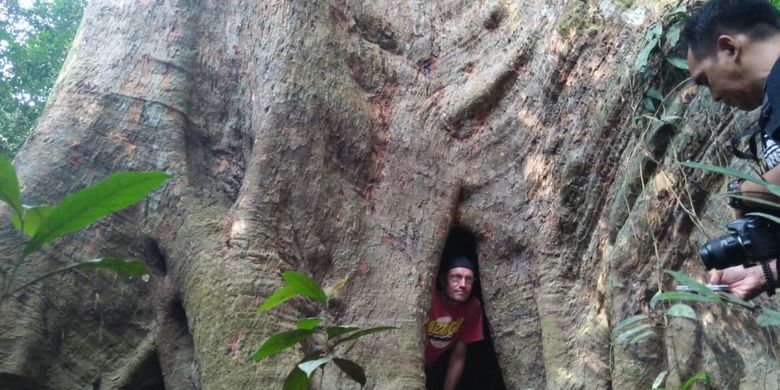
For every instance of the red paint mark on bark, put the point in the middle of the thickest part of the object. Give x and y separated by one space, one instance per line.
134 113
355 67
487 232
337 17
223 165
227 232
90 248
235 346
74 160
363 266
173 34
120 138
475 149
166 81
437 97
135 84
382 106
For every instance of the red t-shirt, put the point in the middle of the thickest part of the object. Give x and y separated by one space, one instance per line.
448 325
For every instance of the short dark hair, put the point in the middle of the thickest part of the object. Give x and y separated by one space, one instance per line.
757 19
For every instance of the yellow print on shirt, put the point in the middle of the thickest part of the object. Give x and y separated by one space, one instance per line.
444 328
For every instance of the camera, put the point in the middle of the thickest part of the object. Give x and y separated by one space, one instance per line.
752 240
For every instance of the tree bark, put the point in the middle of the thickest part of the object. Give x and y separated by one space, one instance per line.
344 138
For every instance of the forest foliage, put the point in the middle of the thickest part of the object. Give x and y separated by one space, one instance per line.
35 37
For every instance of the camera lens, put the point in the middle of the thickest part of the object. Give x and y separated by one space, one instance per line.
722 252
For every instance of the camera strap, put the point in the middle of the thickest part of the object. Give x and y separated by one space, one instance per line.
750 134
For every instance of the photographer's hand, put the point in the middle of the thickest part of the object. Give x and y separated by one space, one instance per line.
744 283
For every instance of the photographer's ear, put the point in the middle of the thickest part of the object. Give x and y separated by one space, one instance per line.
730 46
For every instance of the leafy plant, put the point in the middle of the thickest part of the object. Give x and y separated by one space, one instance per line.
638 328
40 225
702 377
298 284
661 37
665 32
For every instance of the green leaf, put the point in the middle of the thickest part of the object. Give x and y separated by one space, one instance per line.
296 380
700 377
627 335
648 103
127 268
680 10
297 284
308 366
352 369
85 207
628 321
279 342
694 285
309 323
655 94
681 310
671 119
681 296
652 37
767 216
9 185
278 297
678 62
642 337
364 332
768 318
734 300
748 198
32 218
730 172
673 35
659 379
667 120
334 331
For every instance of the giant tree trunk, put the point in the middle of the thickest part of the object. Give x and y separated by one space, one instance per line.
345 138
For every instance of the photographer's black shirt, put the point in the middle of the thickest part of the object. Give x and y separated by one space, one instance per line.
770 118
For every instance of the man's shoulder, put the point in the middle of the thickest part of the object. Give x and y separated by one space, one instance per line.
474 304
772 85
770 114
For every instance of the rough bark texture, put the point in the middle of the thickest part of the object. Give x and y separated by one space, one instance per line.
345 138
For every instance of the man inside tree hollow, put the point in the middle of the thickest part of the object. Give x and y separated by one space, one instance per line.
455 320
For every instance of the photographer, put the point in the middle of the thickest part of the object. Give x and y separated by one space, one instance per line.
733 49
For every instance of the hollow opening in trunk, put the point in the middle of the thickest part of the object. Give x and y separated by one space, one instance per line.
481 369
14 381
148 376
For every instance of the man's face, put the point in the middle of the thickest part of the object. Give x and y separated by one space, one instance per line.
459 283
727 81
